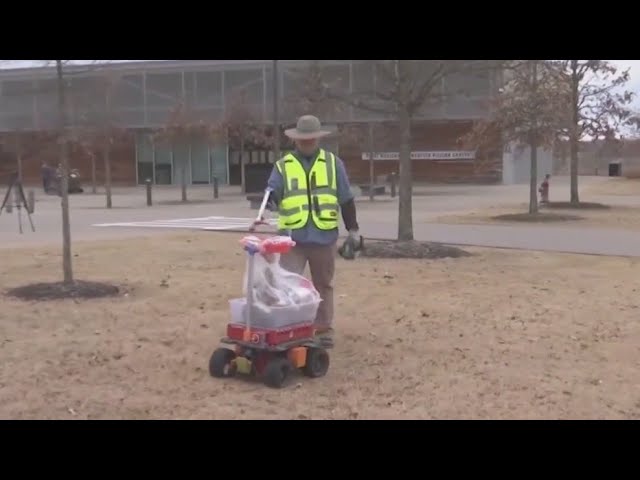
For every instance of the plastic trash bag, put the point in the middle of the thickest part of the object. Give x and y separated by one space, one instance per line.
273 286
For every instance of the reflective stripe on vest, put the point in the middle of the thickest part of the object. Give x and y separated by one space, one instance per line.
314 193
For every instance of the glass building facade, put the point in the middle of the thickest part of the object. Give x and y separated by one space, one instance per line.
141 97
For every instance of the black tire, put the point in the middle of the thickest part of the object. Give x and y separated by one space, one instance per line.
317 364
220 363
277 372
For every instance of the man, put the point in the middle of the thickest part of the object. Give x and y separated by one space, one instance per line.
309 186
48 174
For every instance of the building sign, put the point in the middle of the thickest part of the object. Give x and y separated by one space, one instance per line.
438 156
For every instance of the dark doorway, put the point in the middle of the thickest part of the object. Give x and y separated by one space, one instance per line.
254 160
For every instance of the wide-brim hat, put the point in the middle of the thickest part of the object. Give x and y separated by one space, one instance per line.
307 128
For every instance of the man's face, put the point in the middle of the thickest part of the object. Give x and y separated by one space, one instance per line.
307 147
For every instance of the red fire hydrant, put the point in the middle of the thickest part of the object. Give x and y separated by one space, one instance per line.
544 189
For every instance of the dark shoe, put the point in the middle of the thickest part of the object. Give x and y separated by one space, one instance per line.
325 336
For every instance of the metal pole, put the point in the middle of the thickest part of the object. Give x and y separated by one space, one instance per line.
276 120
148 183
394 180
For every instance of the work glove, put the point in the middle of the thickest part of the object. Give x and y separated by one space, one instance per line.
351 245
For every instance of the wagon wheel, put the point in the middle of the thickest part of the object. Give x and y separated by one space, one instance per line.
221 363
317 363
277 371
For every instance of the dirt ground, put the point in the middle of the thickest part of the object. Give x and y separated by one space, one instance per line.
616 217
615 186
500 334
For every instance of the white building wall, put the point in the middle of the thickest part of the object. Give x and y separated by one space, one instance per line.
516 165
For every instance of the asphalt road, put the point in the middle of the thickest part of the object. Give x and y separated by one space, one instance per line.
377 220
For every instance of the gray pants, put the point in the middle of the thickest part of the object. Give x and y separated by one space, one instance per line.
322 265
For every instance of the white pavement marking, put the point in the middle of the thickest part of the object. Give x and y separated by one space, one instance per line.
201 223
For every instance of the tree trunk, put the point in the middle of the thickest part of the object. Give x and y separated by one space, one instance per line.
94 181
405 216
183 172
533 182
107 173
533 146
64 182
243 187
574 139
573 170
107 147
371 166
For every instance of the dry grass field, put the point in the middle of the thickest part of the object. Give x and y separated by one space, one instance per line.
500 334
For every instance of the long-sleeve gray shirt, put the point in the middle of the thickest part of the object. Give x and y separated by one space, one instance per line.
310 234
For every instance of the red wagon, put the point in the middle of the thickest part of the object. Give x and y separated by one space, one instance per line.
271 353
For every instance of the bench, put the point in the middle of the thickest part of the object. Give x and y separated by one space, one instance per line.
377 189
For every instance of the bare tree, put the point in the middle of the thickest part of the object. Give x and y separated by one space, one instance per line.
23 142
403 89
98 128
64 180
241 126
528 111
598 106
310 93
185 127
24 145
64 135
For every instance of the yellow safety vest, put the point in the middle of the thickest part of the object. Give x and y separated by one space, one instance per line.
314 193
